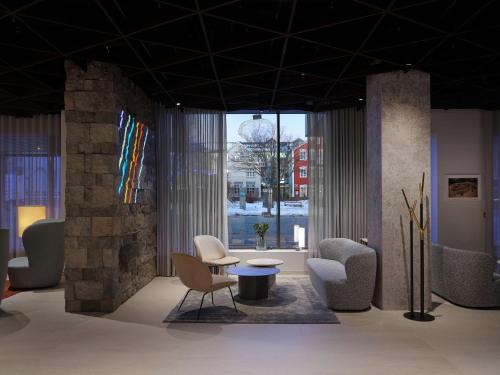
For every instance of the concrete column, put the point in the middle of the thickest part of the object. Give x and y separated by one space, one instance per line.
398 151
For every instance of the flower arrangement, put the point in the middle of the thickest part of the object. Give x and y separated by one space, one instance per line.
261 229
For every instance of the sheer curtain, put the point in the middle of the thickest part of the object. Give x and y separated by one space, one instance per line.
30 169
496 186
191 164
337 182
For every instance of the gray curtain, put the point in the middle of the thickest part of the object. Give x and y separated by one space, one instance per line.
337 179
496 186
30 169
191 165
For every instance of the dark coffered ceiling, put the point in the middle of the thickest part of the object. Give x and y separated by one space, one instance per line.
258 54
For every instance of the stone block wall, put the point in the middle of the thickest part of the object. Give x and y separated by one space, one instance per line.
110 247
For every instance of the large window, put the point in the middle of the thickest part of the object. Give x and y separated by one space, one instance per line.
30 169
266 160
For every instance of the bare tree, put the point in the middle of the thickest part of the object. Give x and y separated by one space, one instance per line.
259 153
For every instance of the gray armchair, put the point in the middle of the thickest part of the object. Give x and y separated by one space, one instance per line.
465 277
344 276
4 258
43 266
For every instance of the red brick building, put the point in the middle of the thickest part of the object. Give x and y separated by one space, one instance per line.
300 172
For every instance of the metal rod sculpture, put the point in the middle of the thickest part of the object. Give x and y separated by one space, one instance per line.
421 316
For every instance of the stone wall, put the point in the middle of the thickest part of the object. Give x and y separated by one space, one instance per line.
110 247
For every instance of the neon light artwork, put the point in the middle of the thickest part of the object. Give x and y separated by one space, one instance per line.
135 163
121 120
132 150
142 164
125 161
123 143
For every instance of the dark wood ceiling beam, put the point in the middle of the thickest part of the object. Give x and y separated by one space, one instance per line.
210 54
132 48
283 52
14 12
359 49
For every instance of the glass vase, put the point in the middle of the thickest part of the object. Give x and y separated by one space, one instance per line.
261 243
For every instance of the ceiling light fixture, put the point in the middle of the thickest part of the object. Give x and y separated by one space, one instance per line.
177 104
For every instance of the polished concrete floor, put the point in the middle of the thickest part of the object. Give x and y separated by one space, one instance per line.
38 337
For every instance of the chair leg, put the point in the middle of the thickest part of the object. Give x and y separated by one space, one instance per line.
185 296
234 303
212 293
201 304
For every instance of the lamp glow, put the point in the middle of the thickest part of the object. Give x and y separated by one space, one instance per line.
302 237
27 215
296 233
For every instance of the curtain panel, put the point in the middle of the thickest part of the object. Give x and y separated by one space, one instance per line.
337 175
30 169
191 165
496 186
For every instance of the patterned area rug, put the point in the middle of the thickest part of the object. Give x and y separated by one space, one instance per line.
291 301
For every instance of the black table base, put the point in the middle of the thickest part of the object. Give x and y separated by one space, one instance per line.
418 316
255 287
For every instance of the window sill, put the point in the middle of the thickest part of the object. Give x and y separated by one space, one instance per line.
268 251
295 261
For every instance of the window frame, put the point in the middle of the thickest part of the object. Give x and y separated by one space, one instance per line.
257 188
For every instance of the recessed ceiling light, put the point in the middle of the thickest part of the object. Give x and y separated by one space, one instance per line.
408 64
303 74
361 99
177 104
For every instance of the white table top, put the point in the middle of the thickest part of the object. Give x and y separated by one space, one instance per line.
264 262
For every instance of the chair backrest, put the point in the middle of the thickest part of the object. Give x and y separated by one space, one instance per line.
208 248
437 276
341 249
472 269
4 258
44 244
192 272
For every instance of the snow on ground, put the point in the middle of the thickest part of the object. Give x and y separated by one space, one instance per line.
288 208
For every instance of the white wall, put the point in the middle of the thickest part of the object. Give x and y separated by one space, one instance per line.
463 146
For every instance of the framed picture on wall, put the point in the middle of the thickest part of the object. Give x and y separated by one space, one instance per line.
464 186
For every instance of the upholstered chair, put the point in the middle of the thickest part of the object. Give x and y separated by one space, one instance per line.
464 277
4 258
42 267
194 274
344 276
212 252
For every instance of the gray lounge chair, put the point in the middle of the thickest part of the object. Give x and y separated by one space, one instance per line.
344 276
43 266
465 277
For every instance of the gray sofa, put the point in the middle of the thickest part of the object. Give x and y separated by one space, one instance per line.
43 266
465 277
4 258
344 276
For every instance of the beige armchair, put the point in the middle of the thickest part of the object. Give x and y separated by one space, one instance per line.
212 252
196 276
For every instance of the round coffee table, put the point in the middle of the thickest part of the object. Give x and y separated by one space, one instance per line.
264 262
253 282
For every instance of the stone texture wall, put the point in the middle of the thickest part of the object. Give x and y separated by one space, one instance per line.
398 151
110 247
